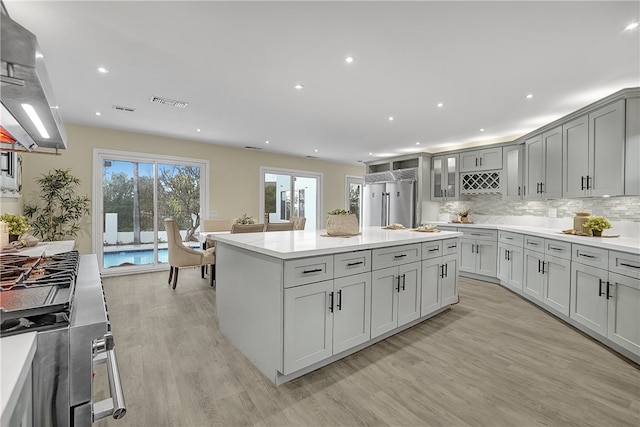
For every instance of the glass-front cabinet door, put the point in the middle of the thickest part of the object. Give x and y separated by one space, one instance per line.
444 177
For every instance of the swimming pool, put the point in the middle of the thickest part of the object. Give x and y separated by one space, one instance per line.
135 257
141 257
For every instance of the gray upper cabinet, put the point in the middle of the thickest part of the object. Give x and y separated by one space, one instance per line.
480 160
543 171
512 172
594 152
632 148
445 178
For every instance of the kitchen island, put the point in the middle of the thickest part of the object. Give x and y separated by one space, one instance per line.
294 301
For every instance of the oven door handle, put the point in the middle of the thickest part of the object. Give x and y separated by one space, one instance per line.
104 352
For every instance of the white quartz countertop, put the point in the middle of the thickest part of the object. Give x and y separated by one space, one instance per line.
302 243
17 353
48 248
622 243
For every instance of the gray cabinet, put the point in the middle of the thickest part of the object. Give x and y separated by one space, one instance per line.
480 160
478 251
594 152
543 171
439 283
512 172
444 178
510 259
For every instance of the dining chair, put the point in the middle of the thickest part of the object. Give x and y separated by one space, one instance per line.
279 226
247 228
212 225
298 222
181 255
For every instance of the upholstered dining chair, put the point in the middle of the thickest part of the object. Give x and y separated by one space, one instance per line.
279 226
183 256
298 222
212 225
247 228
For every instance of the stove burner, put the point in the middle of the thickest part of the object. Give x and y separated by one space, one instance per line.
11 325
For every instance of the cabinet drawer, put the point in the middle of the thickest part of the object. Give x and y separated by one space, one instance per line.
351 263
431 249
624 263
480 234
594 257
447 228
307 270
450 247
534 243
396 255
509 238
557 248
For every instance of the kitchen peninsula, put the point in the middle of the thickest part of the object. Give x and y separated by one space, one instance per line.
295 301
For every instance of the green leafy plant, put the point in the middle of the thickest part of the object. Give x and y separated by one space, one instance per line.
16 224
339 212
244 219
597 223
59 210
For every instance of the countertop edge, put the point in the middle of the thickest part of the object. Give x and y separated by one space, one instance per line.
17 353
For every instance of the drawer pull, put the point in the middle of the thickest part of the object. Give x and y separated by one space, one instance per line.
629 265
586 256
400 256
452 246
507 238
434 250
351 264
555 249
315 270
532 243
478 234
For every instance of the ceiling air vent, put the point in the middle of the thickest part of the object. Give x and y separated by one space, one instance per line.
169 102
121 108
248 147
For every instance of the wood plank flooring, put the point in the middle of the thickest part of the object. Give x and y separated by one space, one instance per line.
494 359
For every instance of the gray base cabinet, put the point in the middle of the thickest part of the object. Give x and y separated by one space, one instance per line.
478 255
439 283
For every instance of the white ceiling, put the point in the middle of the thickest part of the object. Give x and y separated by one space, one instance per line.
236 64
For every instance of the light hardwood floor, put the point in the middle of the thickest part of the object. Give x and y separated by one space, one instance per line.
494 359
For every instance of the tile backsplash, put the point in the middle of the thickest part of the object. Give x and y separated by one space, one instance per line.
623 209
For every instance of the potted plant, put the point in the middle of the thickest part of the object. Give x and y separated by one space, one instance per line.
16 225
342 223
244 219
59 210
464 215
597 224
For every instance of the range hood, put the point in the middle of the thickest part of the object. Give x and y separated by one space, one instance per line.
29 112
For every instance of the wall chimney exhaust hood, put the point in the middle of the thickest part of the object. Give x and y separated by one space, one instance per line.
29 112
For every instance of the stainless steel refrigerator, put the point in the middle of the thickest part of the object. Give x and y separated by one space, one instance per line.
389 202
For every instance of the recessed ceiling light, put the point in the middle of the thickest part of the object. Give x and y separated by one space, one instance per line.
299 86
98 113
371 154
316 150
390 118
481 129
102 70
266 142
632 26
440 105
530 96
198 130
349 59
417 143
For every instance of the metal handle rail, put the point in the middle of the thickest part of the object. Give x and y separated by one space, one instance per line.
104 352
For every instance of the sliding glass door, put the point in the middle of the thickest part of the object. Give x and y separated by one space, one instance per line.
289 193
134 196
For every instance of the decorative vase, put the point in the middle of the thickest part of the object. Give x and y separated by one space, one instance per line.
596 233
342 225
464 219
579 220
13 237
